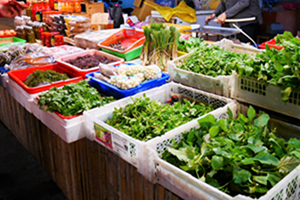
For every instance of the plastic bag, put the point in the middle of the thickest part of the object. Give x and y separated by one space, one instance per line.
182 11
80 20
101 77
152 72
31 60
107 70
129 70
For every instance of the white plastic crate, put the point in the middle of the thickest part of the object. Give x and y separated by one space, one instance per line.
3 80
251 91
70 130
19 94
189 187
132 150
220 85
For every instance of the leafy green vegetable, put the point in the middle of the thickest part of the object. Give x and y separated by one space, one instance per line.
39 77
72 99
237 156
145 119
286 39
189 44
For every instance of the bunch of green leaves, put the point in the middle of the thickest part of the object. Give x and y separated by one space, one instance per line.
145 119
286 39
40 77
214 61
189 44
281 68
237 156
72 99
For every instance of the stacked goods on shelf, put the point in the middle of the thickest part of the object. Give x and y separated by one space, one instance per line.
88 61
135 121
24 84
233 158
160 45
210 67
78 25
127 79
61 108
126 43
272 79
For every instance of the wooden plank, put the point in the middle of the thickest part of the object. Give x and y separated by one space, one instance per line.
123 185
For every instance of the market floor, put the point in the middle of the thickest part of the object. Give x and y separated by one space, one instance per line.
21 177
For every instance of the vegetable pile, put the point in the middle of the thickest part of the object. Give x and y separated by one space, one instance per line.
89 61
40 77
286 39
117 46
72 99
214 61
237 156
145 119
160 45
189 44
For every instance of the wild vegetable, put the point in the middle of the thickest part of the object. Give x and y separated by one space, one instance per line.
145 119
72 99
237 156
286 39
39 77
214 61
189 44
160 45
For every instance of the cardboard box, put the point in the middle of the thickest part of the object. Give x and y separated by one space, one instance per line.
143 11
138 3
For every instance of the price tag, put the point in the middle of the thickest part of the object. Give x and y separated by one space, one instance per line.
100 18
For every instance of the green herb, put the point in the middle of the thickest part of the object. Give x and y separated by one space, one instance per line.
189 44
72 99
214 61
237 156
145 119
40 77
286 39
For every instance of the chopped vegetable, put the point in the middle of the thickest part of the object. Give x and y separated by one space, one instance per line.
72 99
145 119
237 156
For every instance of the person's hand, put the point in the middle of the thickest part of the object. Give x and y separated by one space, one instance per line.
208 18
221 18
11 8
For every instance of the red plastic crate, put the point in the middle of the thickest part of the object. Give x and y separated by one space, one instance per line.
19 76
272 44
129 39
11 35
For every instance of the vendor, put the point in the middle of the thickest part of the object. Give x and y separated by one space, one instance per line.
11 8
237 9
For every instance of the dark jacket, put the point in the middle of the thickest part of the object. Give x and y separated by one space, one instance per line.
237 9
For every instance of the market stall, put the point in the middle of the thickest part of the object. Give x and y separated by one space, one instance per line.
151 112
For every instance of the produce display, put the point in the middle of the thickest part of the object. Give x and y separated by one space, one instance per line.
4 33
145 119
187 45
127 76
215 61
39 78
72 99
286 39
89 61
160 45
237 156
117 46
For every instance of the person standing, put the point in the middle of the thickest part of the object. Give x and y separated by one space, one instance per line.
237 9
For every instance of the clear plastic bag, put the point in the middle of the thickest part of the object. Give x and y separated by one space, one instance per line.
152 72
107 70
130 70
101 77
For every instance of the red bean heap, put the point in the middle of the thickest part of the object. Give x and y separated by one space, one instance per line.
90 61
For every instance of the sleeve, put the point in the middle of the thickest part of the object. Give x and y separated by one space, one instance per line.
220 8
238 7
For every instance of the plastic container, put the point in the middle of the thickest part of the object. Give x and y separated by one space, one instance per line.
132 150
63 61
134 53
272 44
220 85
10 35
111 90
15 41
188 187
20 75
129 39
251 91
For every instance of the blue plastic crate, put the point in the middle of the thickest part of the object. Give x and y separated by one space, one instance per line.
111 90
3 70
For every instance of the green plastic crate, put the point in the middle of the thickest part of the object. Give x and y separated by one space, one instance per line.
16 40
128 55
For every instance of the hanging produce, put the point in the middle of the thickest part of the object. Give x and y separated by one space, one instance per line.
160 45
